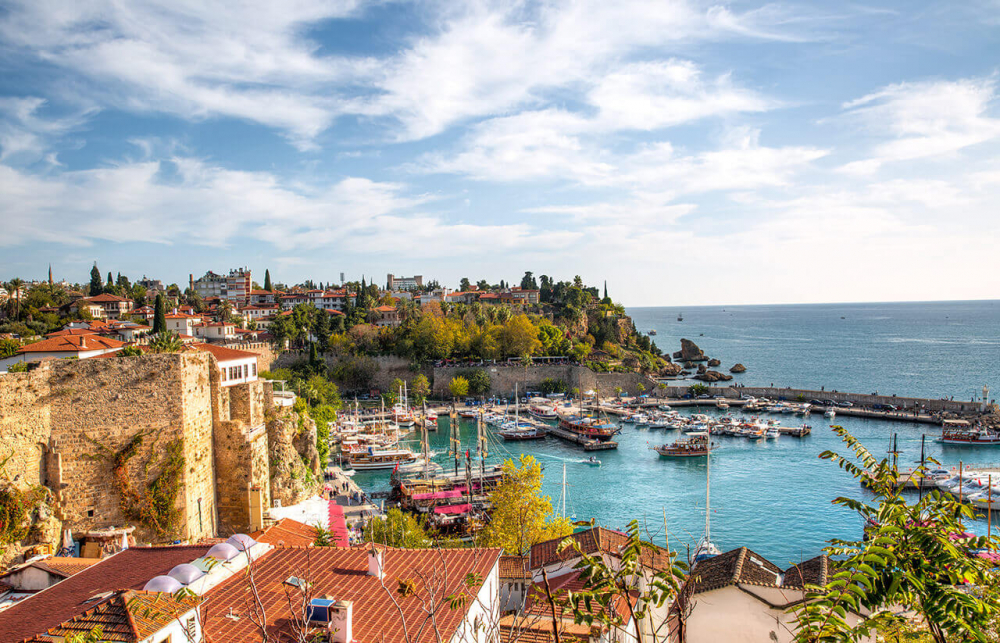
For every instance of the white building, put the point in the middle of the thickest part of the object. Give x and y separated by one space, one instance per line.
393 283
182 324
235 366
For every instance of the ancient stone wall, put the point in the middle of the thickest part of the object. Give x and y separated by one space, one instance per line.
503 379
24 424
98 407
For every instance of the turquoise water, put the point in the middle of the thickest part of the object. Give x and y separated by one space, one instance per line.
774 496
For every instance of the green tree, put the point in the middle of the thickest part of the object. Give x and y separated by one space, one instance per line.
96 287
111 282
464 285
130 351
397 529
913 555
166 342
698 389
267 281
8 347
643 577
421 388
458 386
159 315
479 382
522 516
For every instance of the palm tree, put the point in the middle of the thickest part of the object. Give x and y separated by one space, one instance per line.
166 342
504 313
15 285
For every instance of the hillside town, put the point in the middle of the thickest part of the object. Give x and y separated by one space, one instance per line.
179 465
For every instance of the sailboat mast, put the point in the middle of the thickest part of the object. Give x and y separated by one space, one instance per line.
708 491
563 494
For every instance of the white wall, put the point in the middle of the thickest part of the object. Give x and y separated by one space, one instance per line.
37 357
251 371
480 624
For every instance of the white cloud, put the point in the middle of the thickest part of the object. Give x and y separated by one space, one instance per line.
27 135
930 119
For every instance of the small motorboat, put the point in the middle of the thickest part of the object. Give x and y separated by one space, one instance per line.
830 413
592 461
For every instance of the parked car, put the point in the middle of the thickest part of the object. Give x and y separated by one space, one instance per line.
704 396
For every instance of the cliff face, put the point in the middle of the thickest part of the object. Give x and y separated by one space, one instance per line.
296 473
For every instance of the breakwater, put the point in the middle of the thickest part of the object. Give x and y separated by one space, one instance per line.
804 395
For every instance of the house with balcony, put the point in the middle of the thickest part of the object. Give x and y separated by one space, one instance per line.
388 316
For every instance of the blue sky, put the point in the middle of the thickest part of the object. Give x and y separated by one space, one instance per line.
687 152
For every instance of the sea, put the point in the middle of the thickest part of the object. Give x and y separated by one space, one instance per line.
772 496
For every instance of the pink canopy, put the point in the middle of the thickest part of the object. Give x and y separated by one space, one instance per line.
453 509
439 495
338 525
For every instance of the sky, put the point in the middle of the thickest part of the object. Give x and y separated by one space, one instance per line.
686 152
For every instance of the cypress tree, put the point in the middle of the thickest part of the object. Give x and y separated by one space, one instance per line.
160 315
267 281
96 288
111 282
605 288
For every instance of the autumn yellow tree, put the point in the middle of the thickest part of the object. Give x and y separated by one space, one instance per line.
520 336
459 386
522 516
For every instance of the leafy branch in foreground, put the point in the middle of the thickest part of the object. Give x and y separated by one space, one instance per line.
915 557
647 577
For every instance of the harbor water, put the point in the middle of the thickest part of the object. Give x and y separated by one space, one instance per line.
773 496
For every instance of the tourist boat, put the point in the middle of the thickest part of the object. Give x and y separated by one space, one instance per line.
695 445
960 432
988 499
522 432
469 414
772 433
543 412
380 459
592 461
588 427
419 467
680 316
651 332
721 404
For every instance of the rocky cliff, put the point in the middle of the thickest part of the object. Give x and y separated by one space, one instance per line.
296 473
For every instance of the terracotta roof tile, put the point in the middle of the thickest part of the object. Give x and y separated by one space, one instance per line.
222 353
72 344
287 533
128 616
59 603
342 573
65 566
514 567
743 566
596 539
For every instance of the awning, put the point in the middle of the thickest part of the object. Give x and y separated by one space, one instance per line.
453 509
439 495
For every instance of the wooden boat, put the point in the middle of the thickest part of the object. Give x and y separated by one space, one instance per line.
695 445
522 433
543 412
588 427
380 459
962 433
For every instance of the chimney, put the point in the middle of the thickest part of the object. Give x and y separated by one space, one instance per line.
83 341
375 566
341 622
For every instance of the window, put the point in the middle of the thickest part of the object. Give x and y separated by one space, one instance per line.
192 628
246 370
224 375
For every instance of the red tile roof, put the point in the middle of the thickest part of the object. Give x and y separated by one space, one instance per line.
72 331
128 616
342 573
106 298
514 567
59 603
287 533
386 309
222 353
592 541
72 344
743 566
65 566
